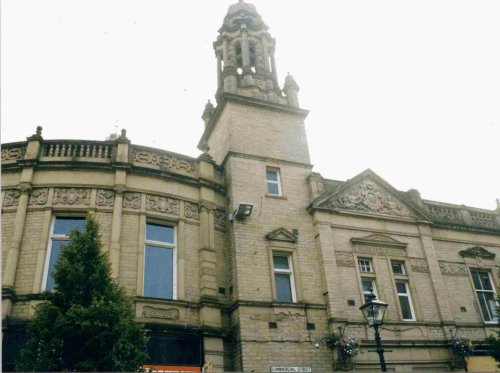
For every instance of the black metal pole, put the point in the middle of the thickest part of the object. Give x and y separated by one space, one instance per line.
380 349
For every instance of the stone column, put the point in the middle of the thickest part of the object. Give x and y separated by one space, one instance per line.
245 48
116 228
219 71
213 350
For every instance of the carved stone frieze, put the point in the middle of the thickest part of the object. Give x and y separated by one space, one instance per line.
444 213
191 210
477 252
162 204
453 269
344 260
132 200
368 196
160 313
163 161
220 218
39 196
11 197
282 316
419 266
485 220
71 196
12 154
104 197
383 251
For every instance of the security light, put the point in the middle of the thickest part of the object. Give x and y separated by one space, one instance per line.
243 211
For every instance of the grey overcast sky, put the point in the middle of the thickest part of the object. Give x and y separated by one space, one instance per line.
410 89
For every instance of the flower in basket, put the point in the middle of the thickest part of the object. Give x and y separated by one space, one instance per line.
348 348
462 346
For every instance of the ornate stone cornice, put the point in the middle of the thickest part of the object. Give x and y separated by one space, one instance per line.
477 252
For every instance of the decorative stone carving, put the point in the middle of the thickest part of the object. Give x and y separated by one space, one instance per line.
444 213
282 316
220 218
11 197
485 220
39 196
162 204
191 210
419 266
71 196
368 196
345 260
104 197
160 313
281 234
477 251
163 161
132 200
382 251
12 154
453 269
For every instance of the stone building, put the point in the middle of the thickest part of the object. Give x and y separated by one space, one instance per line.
244 259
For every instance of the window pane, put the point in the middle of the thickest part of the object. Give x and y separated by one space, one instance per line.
398 268
485 280
367 285
283 288
401 287
65 225
159 233
405 308
272 175
280 262
476 280
272 188
484 299
158 272
54 255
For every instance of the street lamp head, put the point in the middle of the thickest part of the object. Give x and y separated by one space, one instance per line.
373 310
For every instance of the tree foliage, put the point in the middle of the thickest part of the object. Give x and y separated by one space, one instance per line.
86 322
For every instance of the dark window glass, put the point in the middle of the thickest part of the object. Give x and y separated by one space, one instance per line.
172 348
405 308
54 255
158 272
159 233
401 287
283 288
273 189
280 262
272 175
398 268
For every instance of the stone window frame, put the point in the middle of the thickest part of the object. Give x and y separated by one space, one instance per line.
368 265
493 286
175 256
52 238
365 293
405 277
278 182
288 272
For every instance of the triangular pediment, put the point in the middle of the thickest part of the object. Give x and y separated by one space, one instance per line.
281 234
380 240
477 252
368 193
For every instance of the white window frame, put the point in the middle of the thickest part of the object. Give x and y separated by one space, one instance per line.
54 237
165 245
494 315
407 295
365 267
374 287
277 181
281 271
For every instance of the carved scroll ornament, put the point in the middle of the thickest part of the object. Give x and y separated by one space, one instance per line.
162 204
163 161
368 196
345 260
11 197
12 154
453 269
39 196
71 196
132 200
104 197
220 218
191 210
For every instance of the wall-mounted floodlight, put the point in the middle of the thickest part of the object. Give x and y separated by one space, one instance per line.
243 211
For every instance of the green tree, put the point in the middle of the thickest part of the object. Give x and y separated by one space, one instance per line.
86 322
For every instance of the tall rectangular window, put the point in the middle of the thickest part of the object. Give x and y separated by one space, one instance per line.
405 300
273 182
365 265
398 268
485 294
59 235
283 278
159 259
368 284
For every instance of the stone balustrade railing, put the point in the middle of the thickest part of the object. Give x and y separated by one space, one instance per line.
77 149
161 159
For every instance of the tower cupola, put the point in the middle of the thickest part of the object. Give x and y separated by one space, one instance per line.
245 57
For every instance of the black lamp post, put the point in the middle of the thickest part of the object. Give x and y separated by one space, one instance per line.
374 311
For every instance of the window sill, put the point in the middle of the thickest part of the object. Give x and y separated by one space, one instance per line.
275 196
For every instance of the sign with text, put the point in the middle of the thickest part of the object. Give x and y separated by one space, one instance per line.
290 369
